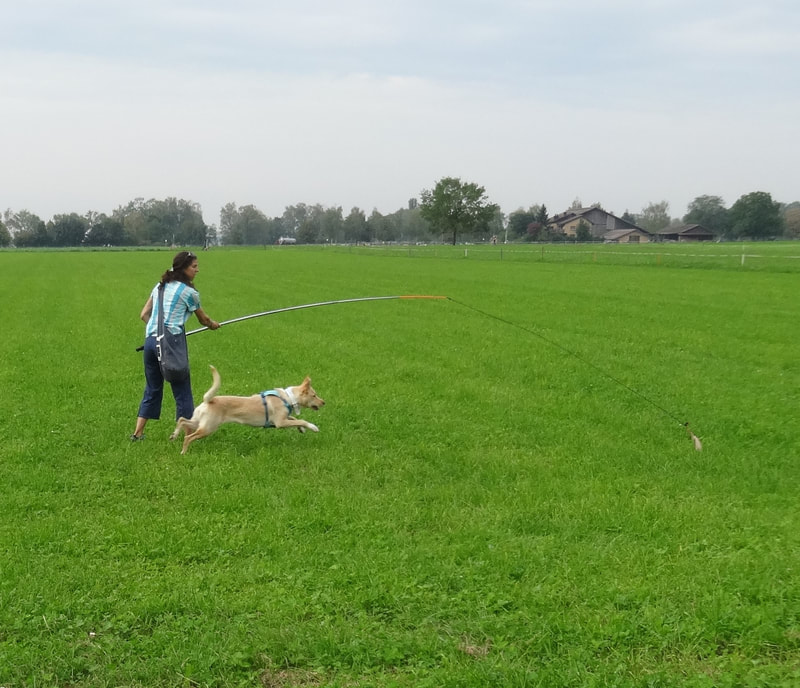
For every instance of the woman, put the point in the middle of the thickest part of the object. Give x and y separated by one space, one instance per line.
181 299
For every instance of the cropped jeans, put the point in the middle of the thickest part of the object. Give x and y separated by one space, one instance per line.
150 407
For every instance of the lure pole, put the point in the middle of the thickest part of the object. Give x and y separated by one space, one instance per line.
312 305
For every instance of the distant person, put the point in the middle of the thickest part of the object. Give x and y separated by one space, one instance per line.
181 299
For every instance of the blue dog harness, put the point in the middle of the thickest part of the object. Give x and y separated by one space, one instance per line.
273 393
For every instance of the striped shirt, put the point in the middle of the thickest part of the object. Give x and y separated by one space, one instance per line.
180 301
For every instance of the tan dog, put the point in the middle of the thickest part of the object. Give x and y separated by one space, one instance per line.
270 409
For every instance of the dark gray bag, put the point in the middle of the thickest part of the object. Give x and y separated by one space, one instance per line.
173 354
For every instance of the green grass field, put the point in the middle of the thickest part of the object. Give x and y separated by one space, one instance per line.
495 498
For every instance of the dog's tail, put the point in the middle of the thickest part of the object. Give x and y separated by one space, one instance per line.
212 391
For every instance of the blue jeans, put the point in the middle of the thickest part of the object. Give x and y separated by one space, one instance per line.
154 389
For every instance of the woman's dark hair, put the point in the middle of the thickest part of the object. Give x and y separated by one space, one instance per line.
180 262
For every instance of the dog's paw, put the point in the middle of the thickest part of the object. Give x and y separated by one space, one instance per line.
301 429
313 427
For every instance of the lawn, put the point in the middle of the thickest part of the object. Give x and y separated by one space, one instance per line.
502 492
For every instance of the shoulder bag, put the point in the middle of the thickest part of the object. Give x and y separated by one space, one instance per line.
173 354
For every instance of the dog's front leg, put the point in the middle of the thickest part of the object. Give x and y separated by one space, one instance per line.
299 423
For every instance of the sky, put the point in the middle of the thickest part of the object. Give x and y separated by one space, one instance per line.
365 104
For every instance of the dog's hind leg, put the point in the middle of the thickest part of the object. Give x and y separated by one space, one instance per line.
196 435
182 425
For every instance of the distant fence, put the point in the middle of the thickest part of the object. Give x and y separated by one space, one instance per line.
769 256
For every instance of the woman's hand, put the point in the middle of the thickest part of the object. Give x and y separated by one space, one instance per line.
205 320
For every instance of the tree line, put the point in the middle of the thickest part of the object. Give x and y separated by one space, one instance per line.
178 222
316 224
753 216
452 210
139 223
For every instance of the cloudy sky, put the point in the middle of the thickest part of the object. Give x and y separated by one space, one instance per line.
366 103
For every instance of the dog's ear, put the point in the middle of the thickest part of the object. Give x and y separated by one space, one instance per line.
306 382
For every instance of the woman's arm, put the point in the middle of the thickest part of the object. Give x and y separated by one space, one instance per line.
147 310
205 320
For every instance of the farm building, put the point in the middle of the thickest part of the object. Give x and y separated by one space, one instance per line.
627 236
599 222
686 233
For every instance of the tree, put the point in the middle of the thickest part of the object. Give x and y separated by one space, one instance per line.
380 227
275 230
178 221
583 232
791 217
169 221
331 224
245 226
293 218
496 225
410 225
756 216
355 226
134 221
709 211
5 235
454 206
253 226
390 229
227 220
28 229
532 224
308 232
68 230
520 220
211 236
105 231
654 217
314 224
536 232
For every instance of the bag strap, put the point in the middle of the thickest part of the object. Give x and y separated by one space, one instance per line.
160 325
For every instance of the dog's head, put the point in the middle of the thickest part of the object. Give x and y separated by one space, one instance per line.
307 397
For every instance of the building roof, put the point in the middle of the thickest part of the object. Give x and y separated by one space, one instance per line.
574 213
571 214
615 234
687 230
